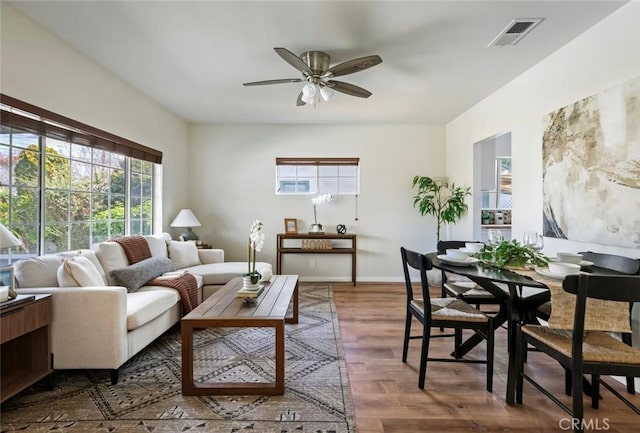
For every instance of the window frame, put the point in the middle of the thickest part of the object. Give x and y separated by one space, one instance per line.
28 132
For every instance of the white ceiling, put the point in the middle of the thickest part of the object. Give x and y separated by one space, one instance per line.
193 56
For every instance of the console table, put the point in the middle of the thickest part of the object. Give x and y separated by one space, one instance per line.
316 237
24 335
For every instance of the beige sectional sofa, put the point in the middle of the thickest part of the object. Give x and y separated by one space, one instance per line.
103 325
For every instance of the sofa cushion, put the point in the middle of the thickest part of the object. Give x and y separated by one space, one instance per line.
183 254
81 273
135 276
111 256
37 271
91 255
215 274
158 244
145 305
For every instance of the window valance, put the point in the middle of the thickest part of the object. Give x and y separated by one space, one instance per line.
30 118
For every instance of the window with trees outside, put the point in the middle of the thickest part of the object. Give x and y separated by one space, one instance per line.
58 194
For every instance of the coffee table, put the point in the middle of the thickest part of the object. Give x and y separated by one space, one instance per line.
223 309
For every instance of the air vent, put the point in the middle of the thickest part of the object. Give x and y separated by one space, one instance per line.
515 31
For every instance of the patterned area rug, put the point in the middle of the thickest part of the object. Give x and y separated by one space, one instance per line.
148 396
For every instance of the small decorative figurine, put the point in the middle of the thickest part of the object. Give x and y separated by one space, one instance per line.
341 228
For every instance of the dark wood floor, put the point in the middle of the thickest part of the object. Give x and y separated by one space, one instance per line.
386 395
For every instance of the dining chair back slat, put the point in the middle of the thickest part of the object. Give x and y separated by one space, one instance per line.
622 264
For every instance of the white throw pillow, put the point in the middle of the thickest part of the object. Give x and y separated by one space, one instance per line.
81 271
183 254
64 279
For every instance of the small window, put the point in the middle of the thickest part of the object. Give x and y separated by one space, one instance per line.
317 175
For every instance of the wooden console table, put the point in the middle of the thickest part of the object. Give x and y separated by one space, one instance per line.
24 335
315 236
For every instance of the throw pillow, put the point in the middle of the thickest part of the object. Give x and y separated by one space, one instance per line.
81 271
183 254
135 276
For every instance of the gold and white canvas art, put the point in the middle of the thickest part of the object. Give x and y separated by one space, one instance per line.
591 168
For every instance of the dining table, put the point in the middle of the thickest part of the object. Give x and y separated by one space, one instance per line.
519 292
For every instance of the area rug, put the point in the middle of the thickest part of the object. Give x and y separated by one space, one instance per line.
148 396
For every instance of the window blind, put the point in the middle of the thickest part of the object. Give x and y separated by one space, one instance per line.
30 118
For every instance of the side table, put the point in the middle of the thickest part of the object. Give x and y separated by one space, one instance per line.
24 338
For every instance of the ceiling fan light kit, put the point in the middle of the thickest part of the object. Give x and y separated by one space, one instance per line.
317 75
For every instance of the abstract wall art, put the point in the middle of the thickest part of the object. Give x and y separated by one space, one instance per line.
591 168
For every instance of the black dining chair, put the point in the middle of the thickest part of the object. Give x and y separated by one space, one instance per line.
461 287
588 348
606 262
441 312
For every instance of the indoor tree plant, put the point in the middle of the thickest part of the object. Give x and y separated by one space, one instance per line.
437 197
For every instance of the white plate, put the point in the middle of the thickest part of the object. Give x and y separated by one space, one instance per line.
583 263
545 272
460 262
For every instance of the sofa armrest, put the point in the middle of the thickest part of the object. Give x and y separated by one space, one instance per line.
88 326
208 256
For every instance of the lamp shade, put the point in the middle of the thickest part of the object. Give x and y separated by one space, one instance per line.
8 239
309 92
185 218
326 93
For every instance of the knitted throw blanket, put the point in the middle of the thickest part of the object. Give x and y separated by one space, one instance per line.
186 285
135 247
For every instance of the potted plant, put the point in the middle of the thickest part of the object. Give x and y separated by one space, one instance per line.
487 217
437 197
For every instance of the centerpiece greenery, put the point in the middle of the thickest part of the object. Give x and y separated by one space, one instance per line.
510 254
256 242
439 198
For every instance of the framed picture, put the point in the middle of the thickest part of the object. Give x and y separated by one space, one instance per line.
290 225
6 276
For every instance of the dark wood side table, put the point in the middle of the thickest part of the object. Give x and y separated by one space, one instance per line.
24 336
317 236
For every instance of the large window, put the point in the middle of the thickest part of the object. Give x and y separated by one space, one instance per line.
59 192
317 175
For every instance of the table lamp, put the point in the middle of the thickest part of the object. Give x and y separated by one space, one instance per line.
186 219
8 240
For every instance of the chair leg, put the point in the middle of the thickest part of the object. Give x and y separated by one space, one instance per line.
457 342
520 347
490 352
631 385
567 381
578 406
407 332
595 391
426 337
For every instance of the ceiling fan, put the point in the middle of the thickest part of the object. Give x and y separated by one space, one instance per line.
315 69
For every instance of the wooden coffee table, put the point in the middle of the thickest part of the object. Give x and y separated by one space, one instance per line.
223 309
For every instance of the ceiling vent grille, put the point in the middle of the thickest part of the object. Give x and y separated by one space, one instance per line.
515 31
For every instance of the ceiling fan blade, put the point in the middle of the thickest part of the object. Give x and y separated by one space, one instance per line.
351 66
284 80
299 101
294 60
349 89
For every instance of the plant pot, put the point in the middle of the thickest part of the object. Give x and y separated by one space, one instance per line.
250 281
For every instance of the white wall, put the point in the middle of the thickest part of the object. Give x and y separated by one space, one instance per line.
41 69
232 182
604 56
